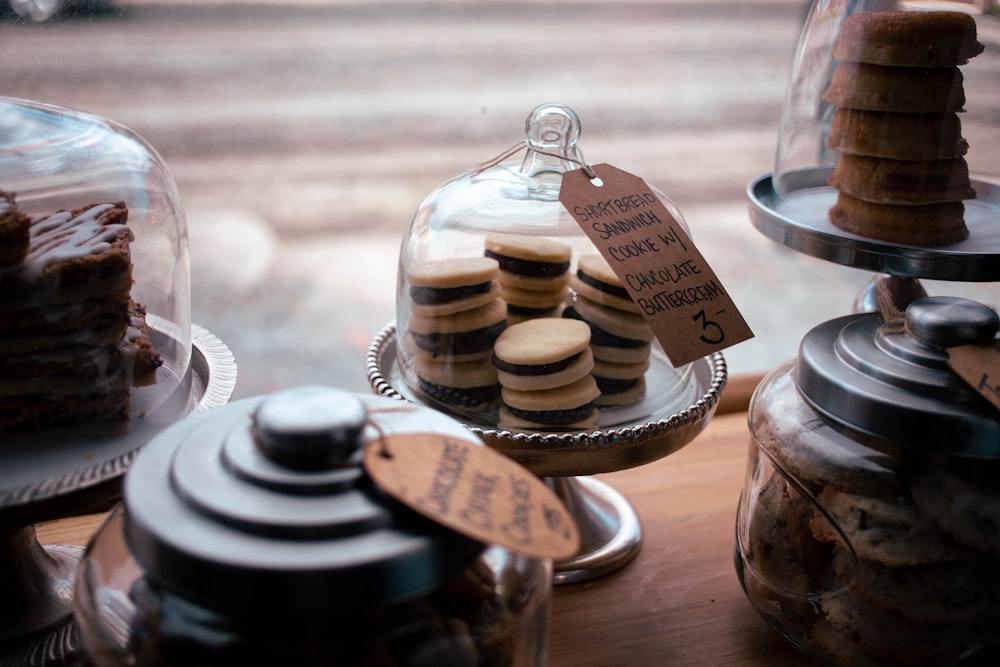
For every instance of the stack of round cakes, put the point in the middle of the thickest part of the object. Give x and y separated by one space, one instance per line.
534 274
620 337
901 176
456 315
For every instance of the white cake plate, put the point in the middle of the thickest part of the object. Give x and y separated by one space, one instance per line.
797 217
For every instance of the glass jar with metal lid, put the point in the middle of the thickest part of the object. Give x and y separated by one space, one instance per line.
253 535
868 529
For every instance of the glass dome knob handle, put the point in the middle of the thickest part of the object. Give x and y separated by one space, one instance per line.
553 126
310 428
952 321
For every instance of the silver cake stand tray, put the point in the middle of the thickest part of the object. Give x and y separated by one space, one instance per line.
43 480
679 404
797 218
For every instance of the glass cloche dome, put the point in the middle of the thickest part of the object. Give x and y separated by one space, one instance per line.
508 316
95 312
888 130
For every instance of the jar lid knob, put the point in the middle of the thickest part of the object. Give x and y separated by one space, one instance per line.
310 428
948 321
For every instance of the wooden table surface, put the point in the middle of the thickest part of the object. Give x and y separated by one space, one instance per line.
678 602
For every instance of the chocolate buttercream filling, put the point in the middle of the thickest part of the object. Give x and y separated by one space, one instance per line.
601 337
554 417
432 296
524 267
534 369
466 342
613 290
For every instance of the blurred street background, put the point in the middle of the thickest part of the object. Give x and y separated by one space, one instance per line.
304 134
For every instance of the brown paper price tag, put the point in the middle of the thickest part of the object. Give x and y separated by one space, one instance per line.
474 490
979 365
688 309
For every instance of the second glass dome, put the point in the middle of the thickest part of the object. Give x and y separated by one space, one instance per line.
891 113
95 314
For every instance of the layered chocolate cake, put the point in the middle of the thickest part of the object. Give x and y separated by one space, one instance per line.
72 340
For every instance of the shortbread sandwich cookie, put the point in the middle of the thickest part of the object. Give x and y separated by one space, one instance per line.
595 280
448 286
603 339
617 322
533 274
463 333
619 392
543 354
465 383
528 256
568 407
527 304
620 384
620 355
508 420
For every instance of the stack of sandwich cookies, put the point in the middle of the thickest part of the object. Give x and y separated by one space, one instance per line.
902 175
456 315
621 338
544 366
534 274
72 341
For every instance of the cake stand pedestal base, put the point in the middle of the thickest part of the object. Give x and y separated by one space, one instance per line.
36 589
610 532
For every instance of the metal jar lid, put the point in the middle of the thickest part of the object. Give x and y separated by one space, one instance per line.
263 507
896 385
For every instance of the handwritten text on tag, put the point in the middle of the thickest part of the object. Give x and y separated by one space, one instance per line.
475 491
684 302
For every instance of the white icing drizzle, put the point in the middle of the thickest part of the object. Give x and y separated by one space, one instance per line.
130 350
62 236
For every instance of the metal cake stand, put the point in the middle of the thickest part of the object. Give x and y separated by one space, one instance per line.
43 480
796 216
679 404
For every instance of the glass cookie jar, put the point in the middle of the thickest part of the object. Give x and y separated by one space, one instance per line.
494 248
252 535
868 529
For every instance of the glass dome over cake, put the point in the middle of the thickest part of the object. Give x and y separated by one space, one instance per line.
95 321
891 112
508 316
